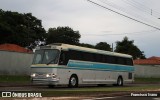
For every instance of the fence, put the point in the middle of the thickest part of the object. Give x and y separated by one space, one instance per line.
147 71
15 63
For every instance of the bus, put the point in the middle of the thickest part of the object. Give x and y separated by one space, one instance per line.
64 64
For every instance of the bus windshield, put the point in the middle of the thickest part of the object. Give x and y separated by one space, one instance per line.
46 56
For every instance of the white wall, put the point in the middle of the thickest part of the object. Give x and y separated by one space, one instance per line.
15 63
147 71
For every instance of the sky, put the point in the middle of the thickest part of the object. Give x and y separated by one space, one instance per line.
97 24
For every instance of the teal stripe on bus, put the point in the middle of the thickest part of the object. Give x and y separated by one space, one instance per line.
77 68
99 66
85 65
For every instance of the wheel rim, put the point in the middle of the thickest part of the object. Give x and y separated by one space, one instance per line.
119 81
73 81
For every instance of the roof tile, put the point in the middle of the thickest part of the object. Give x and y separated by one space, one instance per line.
14 47
149 61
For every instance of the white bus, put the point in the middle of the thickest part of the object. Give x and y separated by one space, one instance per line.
64 64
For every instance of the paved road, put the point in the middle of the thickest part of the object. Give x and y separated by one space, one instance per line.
127 96
124 98
30 87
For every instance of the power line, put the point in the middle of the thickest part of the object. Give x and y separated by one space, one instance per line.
135 14
123 14
132 33
147 8
143 8
137 6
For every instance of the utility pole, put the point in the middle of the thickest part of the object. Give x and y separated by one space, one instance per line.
112 48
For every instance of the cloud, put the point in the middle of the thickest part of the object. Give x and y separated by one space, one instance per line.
91 21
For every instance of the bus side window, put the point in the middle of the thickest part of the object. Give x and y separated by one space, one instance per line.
129 62
111 59
63 58
103 58
120 60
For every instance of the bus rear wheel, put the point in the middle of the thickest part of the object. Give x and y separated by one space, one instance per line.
119 81
101 85
73 81
51 86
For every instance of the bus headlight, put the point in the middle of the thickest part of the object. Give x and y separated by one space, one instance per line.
33 75
48 75
51 75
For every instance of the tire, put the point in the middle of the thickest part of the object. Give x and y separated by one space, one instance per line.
101 85
73 81
51 86
119 81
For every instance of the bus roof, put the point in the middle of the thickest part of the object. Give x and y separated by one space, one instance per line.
85 49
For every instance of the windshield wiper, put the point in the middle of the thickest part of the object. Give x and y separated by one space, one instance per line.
54 59
51 61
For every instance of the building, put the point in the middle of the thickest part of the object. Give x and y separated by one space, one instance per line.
149 61
14 48
15 60
149 67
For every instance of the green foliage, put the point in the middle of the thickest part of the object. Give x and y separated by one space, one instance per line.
86 45
100 46
14 78
147 80
20 29
63 35
103 46
127 47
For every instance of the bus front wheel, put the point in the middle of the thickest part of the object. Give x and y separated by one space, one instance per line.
73 81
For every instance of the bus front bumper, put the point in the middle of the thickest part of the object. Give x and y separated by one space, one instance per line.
45 81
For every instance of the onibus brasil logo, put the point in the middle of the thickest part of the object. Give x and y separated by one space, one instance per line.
21 94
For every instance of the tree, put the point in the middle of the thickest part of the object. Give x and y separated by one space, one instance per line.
20 29
63 35
103 46
128 47
86 45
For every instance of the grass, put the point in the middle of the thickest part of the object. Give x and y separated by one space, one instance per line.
147 80
98 90
115 88
14 78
